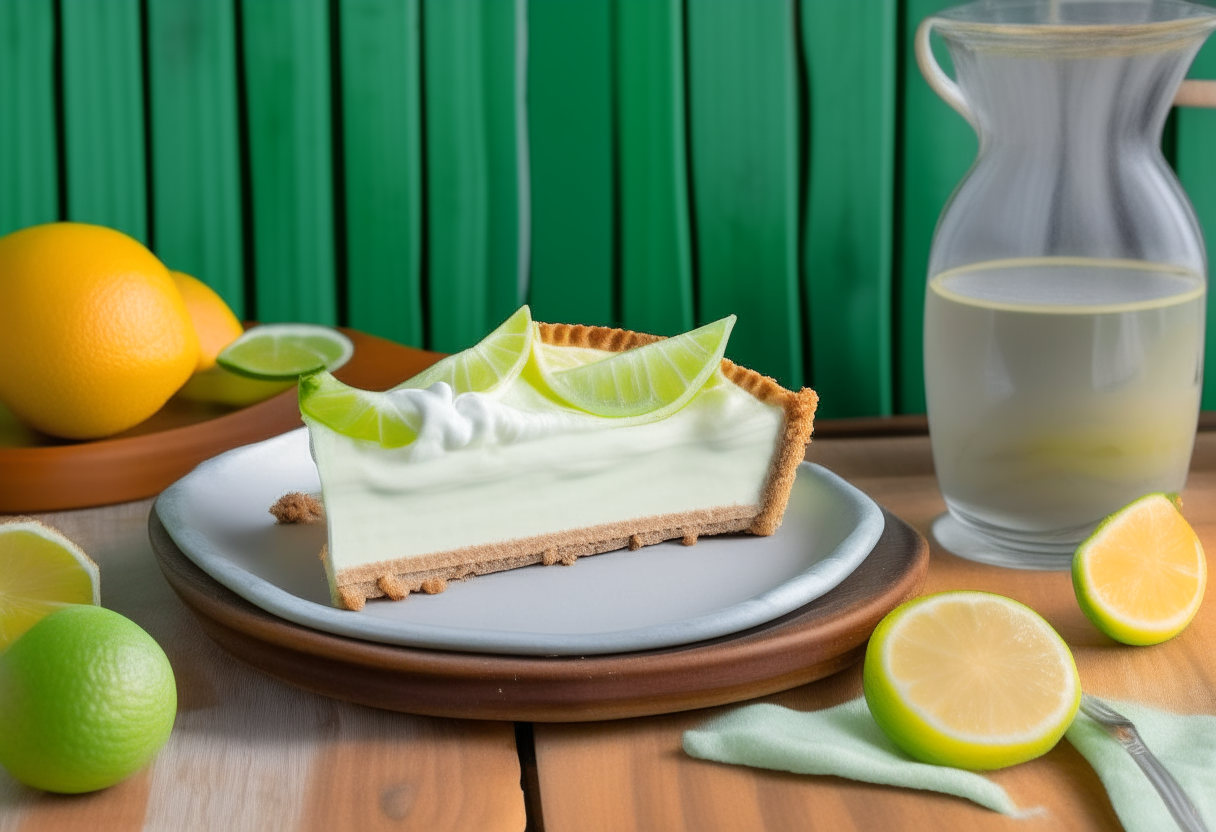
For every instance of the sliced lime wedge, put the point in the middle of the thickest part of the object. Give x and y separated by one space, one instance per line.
496 360
281 352
653 380
359 414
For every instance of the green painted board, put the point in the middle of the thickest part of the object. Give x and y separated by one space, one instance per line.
471 206
851 87
655 247
938 148
287 88
571 150
746 179
28 163
104 115
196 175
1195 161
382 141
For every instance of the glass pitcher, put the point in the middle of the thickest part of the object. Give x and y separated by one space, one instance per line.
1064 311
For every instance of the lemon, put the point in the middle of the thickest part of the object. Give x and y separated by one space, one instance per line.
279 352
1140 576
88 699
359 414
971 680
94 335
654 380
494 361
214 323
40 571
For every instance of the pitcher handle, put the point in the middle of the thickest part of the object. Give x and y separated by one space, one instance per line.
941 83
1195 93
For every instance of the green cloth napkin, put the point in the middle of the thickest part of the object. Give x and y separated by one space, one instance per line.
1185 745
847 742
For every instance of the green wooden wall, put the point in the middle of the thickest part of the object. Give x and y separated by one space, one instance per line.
418 168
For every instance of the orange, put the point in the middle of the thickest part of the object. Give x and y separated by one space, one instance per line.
214 323
94 336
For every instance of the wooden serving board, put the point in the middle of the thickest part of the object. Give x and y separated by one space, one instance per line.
40 473
810 643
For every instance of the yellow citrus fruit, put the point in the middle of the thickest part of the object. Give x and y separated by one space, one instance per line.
1140 576
40 571
971 680
214 323
94 336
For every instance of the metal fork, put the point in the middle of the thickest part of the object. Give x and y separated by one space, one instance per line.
1121 728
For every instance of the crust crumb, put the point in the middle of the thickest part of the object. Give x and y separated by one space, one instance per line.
434 586
297 507
352 599
392 587
324 553
549 556
689 539
635 543
569 558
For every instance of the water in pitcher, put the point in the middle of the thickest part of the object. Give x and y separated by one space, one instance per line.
1060 389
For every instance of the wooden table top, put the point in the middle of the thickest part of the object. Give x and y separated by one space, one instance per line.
248 752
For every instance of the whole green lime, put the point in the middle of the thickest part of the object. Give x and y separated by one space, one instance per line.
87 698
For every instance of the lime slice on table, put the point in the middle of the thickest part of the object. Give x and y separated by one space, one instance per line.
1140 576
652 380
40 571
496 360
359 414
282 352
971 680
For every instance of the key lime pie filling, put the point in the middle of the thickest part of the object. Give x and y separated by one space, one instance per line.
542 444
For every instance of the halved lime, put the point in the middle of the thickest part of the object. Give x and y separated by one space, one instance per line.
652 380
281 352
359 414
40 571
496 360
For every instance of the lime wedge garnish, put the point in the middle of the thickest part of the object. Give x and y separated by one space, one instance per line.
496 360
359 414
653 380
281 352
40 571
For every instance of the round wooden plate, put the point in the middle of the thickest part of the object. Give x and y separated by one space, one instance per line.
45 474
814 641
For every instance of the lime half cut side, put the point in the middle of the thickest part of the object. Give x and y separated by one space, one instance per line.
40 571
1140 577
283 352
359 414
971 680
654 380
494 361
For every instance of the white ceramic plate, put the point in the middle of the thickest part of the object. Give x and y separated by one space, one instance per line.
658 596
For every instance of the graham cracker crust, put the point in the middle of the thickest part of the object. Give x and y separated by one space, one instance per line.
430 573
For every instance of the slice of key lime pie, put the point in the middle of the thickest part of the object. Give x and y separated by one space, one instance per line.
542 444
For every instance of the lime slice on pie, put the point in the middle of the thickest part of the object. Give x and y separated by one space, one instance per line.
282 352
40 571
359 414
496 360
971 680
654 380
1140 576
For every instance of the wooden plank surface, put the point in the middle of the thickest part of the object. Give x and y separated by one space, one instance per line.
28 151
287 89
632 775
655 246
196 169
570 130
250 753
744 129
103 106
382 151
850 214
937 148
